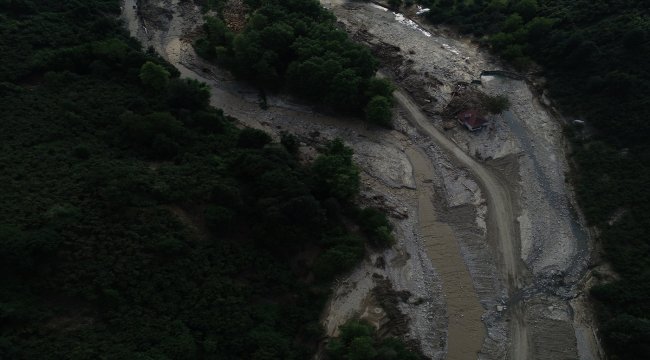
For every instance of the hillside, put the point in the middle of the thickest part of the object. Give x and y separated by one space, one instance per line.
139 222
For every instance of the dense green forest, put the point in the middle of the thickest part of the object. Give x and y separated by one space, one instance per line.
295 45
595 58
359 341
137 222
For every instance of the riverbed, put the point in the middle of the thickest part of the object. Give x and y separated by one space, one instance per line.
474 245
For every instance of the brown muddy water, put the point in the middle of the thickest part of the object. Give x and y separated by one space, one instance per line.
466 330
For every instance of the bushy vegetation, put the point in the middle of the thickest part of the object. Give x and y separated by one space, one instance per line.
359 341
495 104
137 222
295 45
595 58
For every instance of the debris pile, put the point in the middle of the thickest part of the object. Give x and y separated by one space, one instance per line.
235 14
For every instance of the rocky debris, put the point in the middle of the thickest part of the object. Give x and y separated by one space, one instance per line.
155 14
380 263
449 124
389 299
397 324
388 163
387 204
464 97
555 239
423 90
235 15
463 208
542 314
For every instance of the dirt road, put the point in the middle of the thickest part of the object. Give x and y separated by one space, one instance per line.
500 200
500 209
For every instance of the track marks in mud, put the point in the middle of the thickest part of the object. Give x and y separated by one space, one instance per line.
465 328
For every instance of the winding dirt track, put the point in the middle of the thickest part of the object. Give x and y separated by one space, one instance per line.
501 216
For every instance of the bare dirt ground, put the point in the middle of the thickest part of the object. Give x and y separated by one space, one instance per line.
499 194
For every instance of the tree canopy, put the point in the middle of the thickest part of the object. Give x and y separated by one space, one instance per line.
358 340
138 222
154 76
295 45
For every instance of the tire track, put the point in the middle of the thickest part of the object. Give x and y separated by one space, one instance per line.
502 228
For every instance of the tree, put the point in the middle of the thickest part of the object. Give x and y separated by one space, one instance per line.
334 173
362 348
354 329
188 94
496 104
634 39
500 41
513 23
379 87
378 111
290 142
527 8
156 134
359 341
338 259
376 226
513 52
539 27
294 44
217 32
395 4
253 138
344 90
154 76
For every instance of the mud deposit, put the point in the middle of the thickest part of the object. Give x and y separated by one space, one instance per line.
465 329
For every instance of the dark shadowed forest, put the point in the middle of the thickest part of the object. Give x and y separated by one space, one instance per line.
138 222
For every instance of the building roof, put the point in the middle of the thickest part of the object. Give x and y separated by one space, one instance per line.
472 119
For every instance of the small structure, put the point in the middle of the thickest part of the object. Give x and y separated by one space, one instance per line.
472 120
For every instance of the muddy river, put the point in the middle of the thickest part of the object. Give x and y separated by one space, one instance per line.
484 246
465 328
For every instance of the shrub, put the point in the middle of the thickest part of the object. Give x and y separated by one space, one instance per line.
496 104
253 138
154 76
378 111
376 226
334 173
337 260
